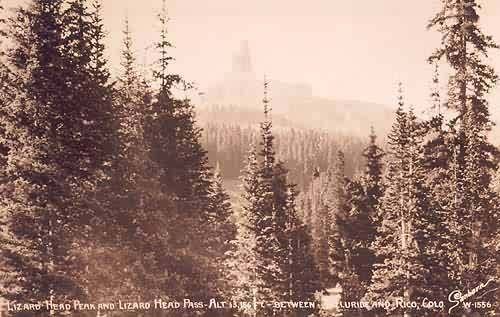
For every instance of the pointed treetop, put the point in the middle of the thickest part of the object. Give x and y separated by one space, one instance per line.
267 108
435 95
128 58
267 151
373 155
127 39
164 44
164 19
98 35
400 96
166 80
411 117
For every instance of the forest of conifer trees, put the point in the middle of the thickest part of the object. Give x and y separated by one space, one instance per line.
114 198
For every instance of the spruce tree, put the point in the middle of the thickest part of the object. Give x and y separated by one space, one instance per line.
356 227
243 261
284 269
405 243
131 221
59 135
347 230
373 190
439 160
353 229
270 250
222 223
388 280
336 200
173 142
372 180
472 208
301 273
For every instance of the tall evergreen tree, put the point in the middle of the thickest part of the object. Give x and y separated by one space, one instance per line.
353 231
372 180
243 261
173 140
222 223
301 276
336 198
465 48
131 221
441 172
358 226
373 191
405 243
59 135
284 268
270 250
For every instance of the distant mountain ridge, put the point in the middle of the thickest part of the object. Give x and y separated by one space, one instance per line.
293 104
346 117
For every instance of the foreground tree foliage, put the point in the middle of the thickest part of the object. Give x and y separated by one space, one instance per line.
60 133
274 246
406 239
107 194
473 206
107 188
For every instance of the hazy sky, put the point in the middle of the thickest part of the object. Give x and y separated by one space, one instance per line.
346 49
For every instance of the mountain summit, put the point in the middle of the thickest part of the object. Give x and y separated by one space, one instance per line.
241 88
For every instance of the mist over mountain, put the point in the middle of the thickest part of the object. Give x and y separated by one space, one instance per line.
293 104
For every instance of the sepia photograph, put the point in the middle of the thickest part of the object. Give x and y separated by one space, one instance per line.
249 158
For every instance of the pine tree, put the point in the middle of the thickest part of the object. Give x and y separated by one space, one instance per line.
356 225
243 261
59 135
465 48
270 250
97 35
353 229
373 190
336 200
441 172
280 248
372 180
173 140
405 243
387 244
346 230
301 273
223 228
131 219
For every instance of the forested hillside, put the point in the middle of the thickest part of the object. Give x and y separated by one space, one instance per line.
304 150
